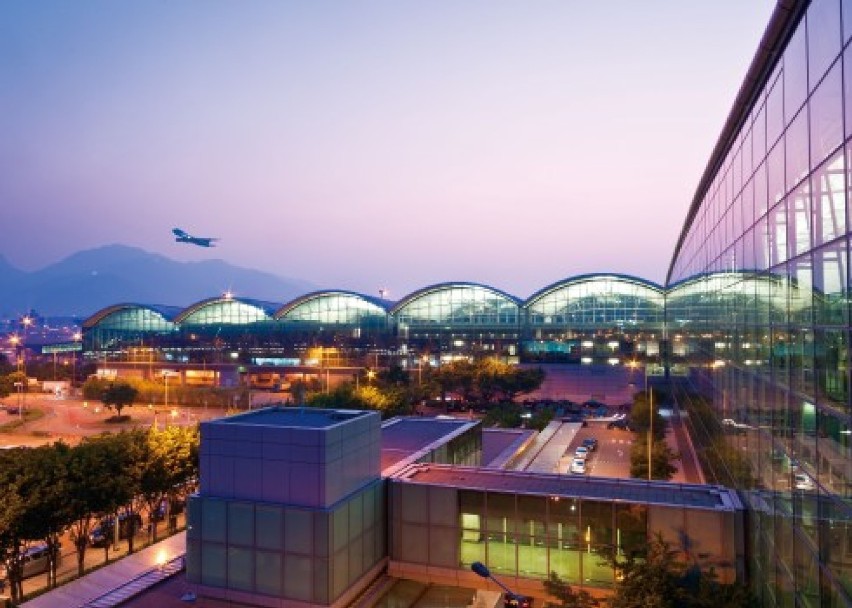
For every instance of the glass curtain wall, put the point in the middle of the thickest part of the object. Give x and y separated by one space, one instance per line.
353 325
129 332
759 312
595 319
459 319
213 330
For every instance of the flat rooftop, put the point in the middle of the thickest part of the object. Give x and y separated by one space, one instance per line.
567 486
300 417
410 438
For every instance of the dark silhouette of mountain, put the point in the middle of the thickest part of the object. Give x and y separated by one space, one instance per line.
87 281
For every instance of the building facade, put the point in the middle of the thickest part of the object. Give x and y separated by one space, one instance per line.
758 307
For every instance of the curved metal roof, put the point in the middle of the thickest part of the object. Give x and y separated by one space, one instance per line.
268 308
624 278
785 17
449 285
385 305
169 313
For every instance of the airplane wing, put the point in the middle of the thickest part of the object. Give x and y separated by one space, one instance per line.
179 232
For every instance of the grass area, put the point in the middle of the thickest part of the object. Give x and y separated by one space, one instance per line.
16 421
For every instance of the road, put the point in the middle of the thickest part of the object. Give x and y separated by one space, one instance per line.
70 419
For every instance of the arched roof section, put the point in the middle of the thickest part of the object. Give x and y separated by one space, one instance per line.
225 310
459 303
603 298
334 307
137 317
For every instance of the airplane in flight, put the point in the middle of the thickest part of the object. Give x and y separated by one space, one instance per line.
183 237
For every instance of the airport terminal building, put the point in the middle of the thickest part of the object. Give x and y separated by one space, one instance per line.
753 327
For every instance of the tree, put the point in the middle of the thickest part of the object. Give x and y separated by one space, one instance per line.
44 483
505 415
119 395
96 486
655 578
566 596
12 509
662 458
639 416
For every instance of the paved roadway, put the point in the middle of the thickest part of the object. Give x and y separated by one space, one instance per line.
612 456
70 419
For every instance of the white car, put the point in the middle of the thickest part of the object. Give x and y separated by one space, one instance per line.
581 452
801 481
578 465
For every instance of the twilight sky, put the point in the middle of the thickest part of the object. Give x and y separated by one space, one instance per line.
367 144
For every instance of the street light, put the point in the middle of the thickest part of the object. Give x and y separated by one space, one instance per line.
511 599
77 338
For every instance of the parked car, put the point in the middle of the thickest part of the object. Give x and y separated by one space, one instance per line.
622 425
102 534
590 443
578 466
33 561
159 513
802 481
581 452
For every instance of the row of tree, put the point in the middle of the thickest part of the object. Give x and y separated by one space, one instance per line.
57 488
488 383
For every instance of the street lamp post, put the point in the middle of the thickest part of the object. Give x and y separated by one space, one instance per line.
511 598
650 395
77 337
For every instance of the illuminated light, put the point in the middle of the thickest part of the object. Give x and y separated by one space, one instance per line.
632 364
612 361
612 344
749 362
587 344
585 360
235 355
174 413
718 363
161 558
228 295
746 345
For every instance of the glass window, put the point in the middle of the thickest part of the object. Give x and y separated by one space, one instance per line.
774 115
796 139
268 572
775 173
777 232
826 106
241 523
761 195
829 200
213 520
799 220
240 568
830 284
795 74
759 134
298 529
823 22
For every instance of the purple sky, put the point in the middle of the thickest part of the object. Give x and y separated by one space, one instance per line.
367 144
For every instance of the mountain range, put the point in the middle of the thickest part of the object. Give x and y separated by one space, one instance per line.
89 280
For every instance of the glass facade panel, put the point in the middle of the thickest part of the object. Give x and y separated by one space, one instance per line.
826 110
784 368
824 37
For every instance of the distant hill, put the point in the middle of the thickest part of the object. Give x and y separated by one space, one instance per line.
87 281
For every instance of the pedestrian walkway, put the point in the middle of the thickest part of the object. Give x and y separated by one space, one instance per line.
119 581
